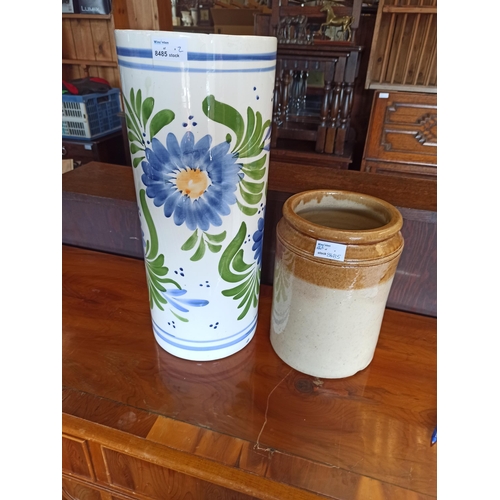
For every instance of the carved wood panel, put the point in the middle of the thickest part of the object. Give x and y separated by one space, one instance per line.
403 133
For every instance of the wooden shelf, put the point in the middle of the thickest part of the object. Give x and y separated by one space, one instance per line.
87 16
410 9
90 62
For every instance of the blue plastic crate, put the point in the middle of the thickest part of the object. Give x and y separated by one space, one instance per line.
91 116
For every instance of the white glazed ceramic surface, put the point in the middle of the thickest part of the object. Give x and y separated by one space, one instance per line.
198 110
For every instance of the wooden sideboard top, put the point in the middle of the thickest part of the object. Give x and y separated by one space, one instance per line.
247 422
116 181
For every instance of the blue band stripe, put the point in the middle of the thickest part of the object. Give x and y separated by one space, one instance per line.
203 341
168 340
181 69
199 56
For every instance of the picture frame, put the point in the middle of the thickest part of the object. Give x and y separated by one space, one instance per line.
204 16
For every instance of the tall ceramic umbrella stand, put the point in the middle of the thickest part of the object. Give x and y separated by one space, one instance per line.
198 113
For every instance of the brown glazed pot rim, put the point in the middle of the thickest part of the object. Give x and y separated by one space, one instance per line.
358 236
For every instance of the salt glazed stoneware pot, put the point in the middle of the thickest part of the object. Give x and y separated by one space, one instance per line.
336 256
198 111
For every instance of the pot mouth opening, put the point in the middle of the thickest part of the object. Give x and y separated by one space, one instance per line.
346 215
344 218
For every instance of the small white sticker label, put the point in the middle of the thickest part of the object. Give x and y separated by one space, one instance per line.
384 95
169 49
329 250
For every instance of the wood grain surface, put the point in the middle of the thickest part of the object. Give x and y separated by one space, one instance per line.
100 212
247 423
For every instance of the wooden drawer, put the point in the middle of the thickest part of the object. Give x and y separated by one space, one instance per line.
141 477
76 459
402 134
73 489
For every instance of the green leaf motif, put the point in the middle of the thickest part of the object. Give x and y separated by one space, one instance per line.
135 149
160 120
239 264
147 108
226 270
250 125
233 269
131 120
216 238
206 240
249 146
138 160
253 135
247 210
156 271
253 187
138 102
253 144
251 199
256 169
190 242
214 248
200 252
225 115
153 249
137 115
132 137
185 320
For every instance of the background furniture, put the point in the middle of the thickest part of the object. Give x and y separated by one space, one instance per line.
402 135
315 14
88 42
109 148
100 212
323 116
139 423
402 132
404 49
327 125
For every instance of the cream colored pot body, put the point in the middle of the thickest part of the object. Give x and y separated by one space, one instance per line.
328 308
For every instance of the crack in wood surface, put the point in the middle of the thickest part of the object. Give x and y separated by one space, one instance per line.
257 443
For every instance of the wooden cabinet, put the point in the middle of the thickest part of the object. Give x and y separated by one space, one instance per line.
88 40
404 49
88 47
109 148
402 135
112 469
140 423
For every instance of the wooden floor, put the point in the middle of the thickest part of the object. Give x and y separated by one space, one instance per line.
140 423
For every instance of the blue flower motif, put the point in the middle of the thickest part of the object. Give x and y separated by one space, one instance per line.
194 183
173 297
258 238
